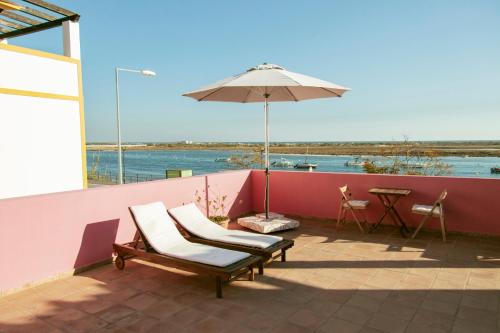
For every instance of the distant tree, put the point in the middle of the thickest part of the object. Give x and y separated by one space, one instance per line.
246 160
401 158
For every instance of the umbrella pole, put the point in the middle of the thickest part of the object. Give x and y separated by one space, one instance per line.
266 149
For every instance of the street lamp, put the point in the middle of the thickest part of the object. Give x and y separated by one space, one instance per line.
144 72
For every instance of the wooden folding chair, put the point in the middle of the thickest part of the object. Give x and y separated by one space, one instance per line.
435 210
347 203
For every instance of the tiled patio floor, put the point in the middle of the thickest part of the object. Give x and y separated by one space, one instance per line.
333 282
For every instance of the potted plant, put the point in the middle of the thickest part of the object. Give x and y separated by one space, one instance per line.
216 208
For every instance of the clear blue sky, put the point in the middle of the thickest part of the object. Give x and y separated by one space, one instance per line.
426 69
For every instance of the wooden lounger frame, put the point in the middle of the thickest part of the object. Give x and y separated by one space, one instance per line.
142 249
267 254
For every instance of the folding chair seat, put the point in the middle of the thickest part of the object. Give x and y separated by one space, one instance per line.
436 210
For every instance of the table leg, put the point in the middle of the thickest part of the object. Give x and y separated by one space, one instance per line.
390 210
386 211
403 224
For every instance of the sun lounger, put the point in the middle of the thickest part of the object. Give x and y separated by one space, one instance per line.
160 239
201 230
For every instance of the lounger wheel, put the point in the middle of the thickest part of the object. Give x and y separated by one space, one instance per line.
120 262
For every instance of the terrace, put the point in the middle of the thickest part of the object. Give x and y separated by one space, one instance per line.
57 273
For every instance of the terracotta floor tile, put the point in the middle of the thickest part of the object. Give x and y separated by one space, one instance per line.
439 306
278 309
163 309
16 317
366 329
484 301
448 296
420 282
353 314
94 306
339 325
211 324
388 323
119 294
306 318
480 316
85 324
322 306
187 298
433 320
139 324
261 321
166 328
365 302
186 317
408 298
396 309
63 316
466 326
419 328
37 326
287 328
142 301
115 313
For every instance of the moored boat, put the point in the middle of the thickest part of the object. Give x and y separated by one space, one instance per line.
356 162
495 170
305 165
282 163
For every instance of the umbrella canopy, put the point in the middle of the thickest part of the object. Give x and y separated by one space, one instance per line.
273 81
267 83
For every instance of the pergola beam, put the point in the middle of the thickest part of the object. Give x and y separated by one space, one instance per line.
51 15
35 28
51 7
20 18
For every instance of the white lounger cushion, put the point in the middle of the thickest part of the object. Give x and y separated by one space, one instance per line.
193 220
162 234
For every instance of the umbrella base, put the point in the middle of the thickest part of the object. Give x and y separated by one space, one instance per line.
271 215
273 224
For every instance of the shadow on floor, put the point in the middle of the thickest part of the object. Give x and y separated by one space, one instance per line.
316 291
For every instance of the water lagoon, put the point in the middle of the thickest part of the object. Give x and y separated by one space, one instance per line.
153 163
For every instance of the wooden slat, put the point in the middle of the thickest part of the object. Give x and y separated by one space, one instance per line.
20 18
38 14
3 31
9 5
11 24
51 7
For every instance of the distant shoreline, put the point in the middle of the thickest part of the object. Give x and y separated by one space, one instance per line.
442 148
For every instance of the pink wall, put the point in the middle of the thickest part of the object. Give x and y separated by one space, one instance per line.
472 205
44 235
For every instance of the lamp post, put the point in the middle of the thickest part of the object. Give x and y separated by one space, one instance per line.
144 72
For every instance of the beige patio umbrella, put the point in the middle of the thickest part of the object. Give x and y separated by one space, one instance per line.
267 83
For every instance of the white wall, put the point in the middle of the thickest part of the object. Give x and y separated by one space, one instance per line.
40 124
37 74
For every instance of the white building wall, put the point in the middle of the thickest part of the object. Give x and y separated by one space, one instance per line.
41 138
37 74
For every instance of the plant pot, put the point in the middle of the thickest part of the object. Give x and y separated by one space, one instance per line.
223 221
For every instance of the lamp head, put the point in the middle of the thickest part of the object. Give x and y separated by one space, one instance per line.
147 72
